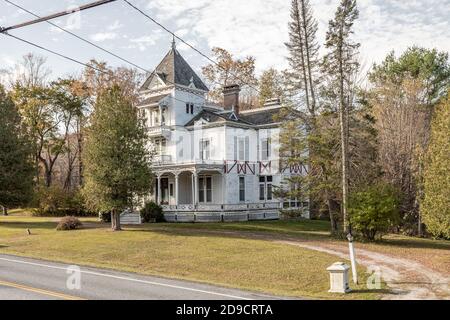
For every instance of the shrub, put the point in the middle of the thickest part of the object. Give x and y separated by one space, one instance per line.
373 210
57 202
152 212
104 216
68 223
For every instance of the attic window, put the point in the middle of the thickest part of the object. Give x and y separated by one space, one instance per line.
190 108
162 75
233 116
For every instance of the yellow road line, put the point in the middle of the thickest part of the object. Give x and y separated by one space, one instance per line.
40 291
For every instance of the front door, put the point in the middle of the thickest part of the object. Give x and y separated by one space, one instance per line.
164 191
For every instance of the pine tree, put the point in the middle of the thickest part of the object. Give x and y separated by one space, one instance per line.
302 80
340 65
270 86
116 161
436 203
16 167
303 76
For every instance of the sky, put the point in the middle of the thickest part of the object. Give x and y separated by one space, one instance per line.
256 28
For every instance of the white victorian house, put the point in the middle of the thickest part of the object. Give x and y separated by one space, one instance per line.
212 163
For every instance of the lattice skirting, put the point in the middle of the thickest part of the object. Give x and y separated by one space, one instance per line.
238 216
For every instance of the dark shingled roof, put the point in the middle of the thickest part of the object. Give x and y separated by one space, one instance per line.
261 117
214 117
174 69
152 100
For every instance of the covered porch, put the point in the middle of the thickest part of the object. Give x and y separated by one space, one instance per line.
189 188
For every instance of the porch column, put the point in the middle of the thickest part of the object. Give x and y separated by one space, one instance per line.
176 189
158 200
195 188
224 188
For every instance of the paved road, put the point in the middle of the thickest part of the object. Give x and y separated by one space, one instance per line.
31 279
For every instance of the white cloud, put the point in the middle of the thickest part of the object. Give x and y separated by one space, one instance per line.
259 27
144 42
103 36
115 26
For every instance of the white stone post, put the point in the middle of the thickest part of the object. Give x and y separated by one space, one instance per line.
339 278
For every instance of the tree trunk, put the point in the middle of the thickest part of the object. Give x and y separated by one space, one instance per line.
334 226
5 210
344 134
48 178
115 220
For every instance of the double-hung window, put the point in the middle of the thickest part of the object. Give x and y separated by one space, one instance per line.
205 149
265 149
265 188
241 148
242 189
204 189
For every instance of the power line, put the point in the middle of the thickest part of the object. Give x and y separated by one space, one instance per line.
73 60
54 52
76 36
186 43
57 15
45 19
77 61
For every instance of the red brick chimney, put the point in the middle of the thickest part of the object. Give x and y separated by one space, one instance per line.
231 97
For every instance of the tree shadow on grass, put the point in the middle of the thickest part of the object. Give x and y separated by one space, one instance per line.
379 291
28 224
252 231
415 243
193 231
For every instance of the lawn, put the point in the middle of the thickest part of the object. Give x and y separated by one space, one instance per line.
189 252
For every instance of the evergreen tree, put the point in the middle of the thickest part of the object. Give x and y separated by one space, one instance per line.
16 167
301 82
116 161
436 204
270 86
303 76
340 65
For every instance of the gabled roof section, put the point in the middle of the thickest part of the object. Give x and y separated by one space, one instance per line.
152 100
173 69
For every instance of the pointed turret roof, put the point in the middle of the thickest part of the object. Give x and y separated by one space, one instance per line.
174 69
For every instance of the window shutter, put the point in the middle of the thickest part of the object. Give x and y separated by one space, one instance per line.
235 148
263 149
200 149
241 149
269 148
212 149
247 148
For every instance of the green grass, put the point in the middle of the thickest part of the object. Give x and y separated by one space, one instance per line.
187 252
